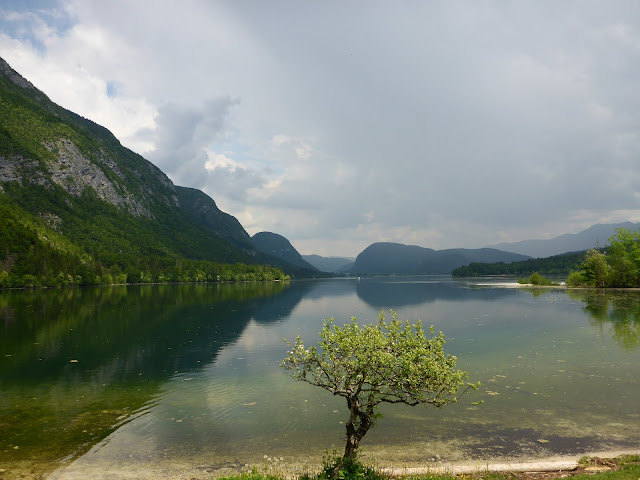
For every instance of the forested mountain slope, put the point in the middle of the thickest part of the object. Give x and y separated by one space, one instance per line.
203 209
76 203
278 246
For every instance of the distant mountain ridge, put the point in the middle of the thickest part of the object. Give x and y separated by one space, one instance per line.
395 258
328 264
596 236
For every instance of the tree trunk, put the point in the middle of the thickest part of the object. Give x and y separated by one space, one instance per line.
353 440
358 425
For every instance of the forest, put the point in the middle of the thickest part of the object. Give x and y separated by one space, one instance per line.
556 265
112 248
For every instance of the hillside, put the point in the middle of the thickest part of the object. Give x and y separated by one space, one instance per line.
555 265
596 236
203 209
395 258
276 245
76 203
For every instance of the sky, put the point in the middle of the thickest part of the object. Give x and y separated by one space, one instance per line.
336 124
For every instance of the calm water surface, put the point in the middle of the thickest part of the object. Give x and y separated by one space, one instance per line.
126 376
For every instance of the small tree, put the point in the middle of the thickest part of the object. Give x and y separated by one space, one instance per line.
624 258
595 268
392 362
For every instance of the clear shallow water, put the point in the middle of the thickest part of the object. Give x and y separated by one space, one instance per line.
188 374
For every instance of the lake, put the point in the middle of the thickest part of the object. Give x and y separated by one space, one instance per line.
185 378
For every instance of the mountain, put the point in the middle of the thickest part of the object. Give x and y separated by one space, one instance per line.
75 203
277 246
596 236
203 209
328 264
396 258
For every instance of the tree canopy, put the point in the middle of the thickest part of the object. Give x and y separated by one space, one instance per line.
556 265
618 267
385 362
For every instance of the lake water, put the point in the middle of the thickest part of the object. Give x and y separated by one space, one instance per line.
186 378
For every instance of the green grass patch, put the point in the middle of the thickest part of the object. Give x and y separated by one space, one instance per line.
252 475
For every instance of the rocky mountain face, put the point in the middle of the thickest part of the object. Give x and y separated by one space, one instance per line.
395 258
46 145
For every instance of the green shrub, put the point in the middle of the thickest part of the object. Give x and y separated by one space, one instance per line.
576 279
351 469
536 279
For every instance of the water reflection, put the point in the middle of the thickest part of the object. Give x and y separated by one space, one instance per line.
190 372
77 363
406 291
620 310
150 331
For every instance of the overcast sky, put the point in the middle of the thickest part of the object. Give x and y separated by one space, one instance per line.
339 124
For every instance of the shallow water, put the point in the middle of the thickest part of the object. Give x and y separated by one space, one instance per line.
122 377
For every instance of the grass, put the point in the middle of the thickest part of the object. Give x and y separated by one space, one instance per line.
252 475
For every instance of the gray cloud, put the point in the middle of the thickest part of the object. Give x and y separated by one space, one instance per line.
437 123
182 131
183 137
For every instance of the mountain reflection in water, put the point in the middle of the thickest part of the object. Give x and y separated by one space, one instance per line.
132 374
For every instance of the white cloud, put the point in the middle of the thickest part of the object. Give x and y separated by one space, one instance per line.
218 160
67 71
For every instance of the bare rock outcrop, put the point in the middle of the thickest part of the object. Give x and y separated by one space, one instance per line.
74 172
14 76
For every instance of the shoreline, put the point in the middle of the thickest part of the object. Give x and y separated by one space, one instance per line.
183 469
555 463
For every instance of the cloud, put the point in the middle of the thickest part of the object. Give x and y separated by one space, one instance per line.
228 178
183 133
75 66
300 147
183 138
439 124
